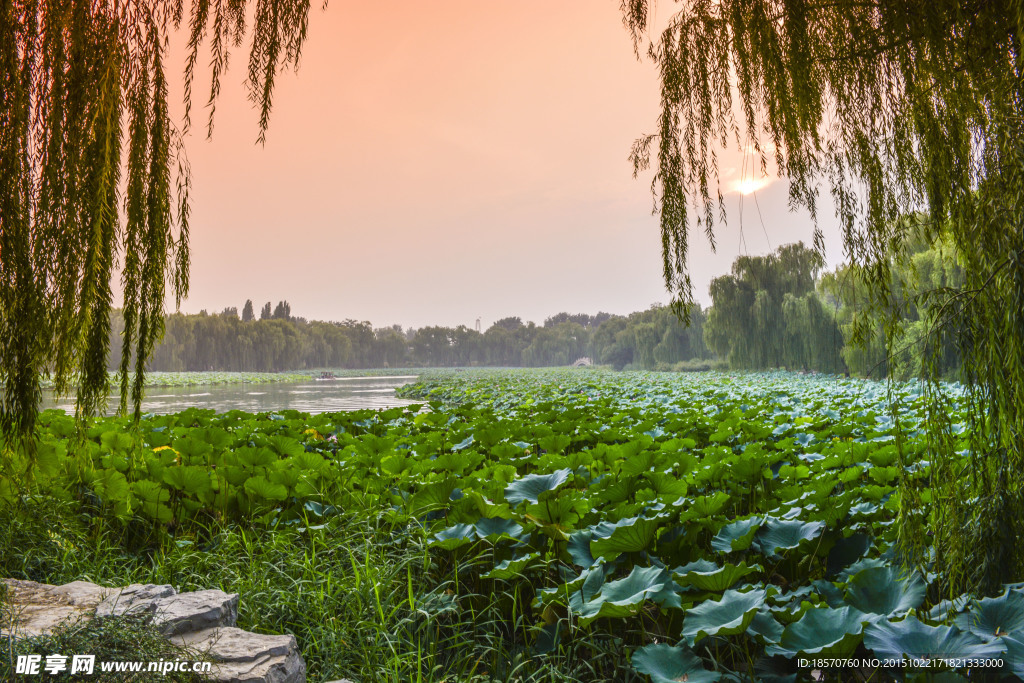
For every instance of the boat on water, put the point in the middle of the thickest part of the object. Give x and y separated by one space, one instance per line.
325 377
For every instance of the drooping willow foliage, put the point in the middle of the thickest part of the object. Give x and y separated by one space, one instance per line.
93 174
896 107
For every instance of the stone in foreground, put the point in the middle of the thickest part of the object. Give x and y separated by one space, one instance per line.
203 621
243 657
134 599
187 612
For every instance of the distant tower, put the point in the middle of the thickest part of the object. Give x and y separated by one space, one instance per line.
478 324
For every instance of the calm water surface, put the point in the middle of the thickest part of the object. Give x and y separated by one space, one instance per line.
344 393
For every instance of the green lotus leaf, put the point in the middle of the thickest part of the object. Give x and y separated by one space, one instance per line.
310 463
556 443
116 441
765 627
111 486
150 497
639 463
881 590
736 535
511 568
530 487
432 497
189 478
1015 654
993 617
667 664
713 578
670 596
624 597
706 507
860 565
728 616
823 631
216 437
261 487
628 535
287 474
913 639
488 527
192 448
578 548
667 484
464 444
254 457
393 464
947 609
454 536
786 534
505 450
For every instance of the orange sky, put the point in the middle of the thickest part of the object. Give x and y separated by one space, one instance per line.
435 162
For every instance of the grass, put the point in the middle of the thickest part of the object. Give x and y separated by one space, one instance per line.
366 601
110 639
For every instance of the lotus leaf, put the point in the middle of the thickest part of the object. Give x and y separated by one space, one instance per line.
625 596
822 631
511 568
728 616
578 548
881 590
1014 654
783 534
708 576
532 486
628 535
667 664
488 527
262 488
993 617
765 628
912 639
736 535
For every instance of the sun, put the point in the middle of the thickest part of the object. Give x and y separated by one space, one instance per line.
749 185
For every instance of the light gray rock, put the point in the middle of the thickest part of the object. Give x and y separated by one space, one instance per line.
185 612
137 598
38 608
201 621
81 594
243 657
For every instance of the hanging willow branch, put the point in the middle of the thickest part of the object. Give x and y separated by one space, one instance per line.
903 108
83 118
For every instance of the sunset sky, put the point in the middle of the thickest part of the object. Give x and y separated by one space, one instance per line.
436 162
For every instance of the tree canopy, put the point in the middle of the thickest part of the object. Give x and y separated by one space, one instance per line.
92 172
908 108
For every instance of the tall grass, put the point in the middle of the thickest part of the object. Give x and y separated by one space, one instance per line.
366 600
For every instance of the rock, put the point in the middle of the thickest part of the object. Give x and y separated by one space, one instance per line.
136 598
243 657
202 620
38 608
185 612
81 593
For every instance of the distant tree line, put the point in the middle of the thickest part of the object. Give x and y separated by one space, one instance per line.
774 311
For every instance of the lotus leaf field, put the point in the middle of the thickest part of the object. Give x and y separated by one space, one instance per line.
723 527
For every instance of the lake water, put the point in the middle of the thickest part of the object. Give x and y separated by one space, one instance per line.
344 393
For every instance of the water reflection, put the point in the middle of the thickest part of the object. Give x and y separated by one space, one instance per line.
344 393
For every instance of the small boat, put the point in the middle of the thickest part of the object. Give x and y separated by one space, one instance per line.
325 376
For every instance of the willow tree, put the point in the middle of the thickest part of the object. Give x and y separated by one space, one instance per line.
93 176
895 107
